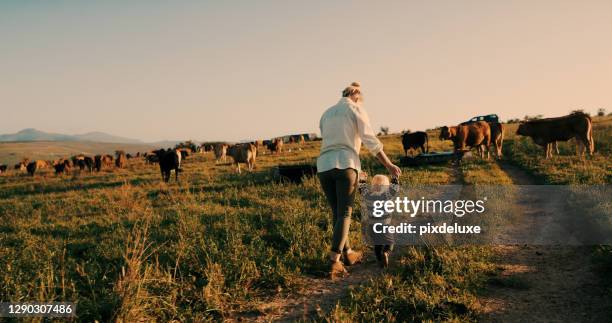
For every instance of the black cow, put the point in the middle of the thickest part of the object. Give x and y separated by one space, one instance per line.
415 140
168 160
85 161
61 166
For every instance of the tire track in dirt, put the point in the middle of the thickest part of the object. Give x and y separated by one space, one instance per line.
542 283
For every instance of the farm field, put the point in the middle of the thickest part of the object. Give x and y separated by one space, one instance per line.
221 246
13 152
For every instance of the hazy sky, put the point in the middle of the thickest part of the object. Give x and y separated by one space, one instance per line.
234 70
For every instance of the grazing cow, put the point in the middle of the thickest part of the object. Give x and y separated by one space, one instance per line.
121 159
98 162
474 135
497 137
185 152
168 160
3 169
220 152
545 132
32 167
129 156
276 145
61 166
21 166
87 162
102 160
415 140
79 160
243 153
152 159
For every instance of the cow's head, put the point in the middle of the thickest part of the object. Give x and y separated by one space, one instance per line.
524 129
448 133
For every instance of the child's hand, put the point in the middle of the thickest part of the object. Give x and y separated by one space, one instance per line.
363 176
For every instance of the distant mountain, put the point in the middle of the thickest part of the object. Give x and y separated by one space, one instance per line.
104 137
37 135
165 143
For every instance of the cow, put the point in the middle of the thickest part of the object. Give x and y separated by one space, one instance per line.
79 160
276 145
168 160
129 156
32 167
152 159
185 152
102 160
474 135
21 166
243 153
86 162
220 152
546 132
120 159
415 140
3 169
61 166
497 137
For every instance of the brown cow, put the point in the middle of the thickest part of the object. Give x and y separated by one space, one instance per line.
102 160
220 151
276 145
121 159
546 132
3 169
32 167
21 166
243 153
474 135
497 137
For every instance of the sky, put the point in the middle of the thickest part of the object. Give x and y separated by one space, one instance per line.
235 70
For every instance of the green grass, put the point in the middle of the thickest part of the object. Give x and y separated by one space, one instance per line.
566 168
125 246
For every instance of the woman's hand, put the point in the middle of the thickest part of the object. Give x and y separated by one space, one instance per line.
394 171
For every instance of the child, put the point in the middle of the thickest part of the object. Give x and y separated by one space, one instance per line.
381 189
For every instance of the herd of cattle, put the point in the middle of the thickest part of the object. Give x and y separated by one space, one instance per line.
481 134
168 159
468 135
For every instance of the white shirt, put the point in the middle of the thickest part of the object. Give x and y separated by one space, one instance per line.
343 128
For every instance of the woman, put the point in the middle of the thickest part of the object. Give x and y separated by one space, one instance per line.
343 128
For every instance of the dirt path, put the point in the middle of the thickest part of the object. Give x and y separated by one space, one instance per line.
535 283
319 295
542 283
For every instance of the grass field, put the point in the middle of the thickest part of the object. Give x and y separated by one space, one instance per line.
14 152
219 245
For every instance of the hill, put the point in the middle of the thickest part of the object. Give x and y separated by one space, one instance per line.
31 134
12 152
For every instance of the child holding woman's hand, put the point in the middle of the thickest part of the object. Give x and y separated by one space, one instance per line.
380 189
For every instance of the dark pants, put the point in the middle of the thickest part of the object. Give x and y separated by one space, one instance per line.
339 186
